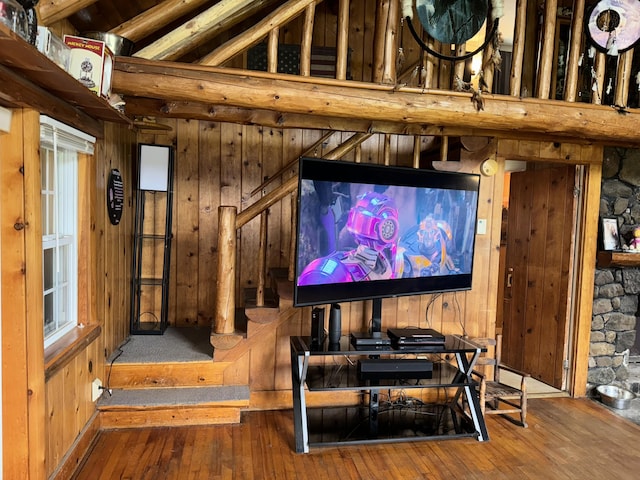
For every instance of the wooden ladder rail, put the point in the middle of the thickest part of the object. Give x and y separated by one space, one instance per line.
223 333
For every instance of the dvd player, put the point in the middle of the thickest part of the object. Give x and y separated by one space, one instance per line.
363 341
415 336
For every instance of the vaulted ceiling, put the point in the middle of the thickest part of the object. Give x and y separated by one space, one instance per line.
180 45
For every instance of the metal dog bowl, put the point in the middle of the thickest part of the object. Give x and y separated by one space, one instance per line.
117 44
615 397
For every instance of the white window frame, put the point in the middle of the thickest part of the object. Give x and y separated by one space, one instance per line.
59 149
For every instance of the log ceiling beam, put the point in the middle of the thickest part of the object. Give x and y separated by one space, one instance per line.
153 19
279 17
151 107
52 11
201 28
370 102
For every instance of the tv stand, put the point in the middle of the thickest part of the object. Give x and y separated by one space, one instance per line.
384 410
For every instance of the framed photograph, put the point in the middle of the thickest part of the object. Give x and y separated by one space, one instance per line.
610 237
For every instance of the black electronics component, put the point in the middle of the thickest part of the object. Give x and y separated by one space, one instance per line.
335 324
415 336
395 369
317 326
363 341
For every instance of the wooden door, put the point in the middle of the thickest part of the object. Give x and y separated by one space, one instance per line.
538 272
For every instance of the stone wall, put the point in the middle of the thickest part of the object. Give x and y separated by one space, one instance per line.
615 303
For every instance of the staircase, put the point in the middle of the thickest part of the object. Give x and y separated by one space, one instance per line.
171 380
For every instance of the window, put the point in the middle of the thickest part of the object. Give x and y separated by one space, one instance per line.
59 149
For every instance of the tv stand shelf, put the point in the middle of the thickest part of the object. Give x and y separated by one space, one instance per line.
387 410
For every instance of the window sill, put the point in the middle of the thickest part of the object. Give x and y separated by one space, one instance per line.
64 350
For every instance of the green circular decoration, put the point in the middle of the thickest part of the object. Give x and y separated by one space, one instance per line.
452 21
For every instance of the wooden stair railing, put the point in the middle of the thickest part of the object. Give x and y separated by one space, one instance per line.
223 334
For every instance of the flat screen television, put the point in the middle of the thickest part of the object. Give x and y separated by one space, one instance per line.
371 231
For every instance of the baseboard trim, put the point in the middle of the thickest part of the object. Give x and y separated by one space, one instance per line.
79 451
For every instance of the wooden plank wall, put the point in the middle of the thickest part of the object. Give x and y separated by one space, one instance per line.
68 390
221 164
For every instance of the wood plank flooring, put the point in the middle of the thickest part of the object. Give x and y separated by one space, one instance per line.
566 439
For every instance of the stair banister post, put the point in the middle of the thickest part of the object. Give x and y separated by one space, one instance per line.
223 320
262 258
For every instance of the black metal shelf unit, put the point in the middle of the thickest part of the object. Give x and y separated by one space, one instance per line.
152 241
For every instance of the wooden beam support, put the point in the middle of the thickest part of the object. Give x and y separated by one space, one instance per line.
253 35
27 94
51 11
156 17
307 39
343 40
199 29
548 46
341 99
575 50
520 30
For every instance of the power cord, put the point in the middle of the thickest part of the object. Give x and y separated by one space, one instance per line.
107 387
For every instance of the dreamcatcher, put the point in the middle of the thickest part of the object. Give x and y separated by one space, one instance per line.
453 22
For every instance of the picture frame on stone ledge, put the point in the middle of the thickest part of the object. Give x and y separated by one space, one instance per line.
610 238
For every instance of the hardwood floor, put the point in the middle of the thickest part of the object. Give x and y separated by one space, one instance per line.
566 439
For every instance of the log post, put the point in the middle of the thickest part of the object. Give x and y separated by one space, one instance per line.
307 37
548 46
262 258
342 46
575 51
222 335
272 50
382 18
416 151
600 64
517 53
389 72
623 78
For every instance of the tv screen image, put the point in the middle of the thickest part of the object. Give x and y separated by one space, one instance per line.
369 231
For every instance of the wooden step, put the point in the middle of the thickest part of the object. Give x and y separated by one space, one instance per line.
281 284
173 406
166 374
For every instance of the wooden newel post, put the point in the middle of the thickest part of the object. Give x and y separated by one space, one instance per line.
223 320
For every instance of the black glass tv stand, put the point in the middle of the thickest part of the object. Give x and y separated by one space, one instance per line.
383 409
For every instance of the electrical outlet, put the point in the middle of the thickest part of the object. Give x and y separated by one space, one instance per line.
96 389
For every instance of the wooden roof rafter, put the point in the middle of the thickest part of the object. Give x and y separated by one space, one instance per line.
201 28
276 19
52 11
150 20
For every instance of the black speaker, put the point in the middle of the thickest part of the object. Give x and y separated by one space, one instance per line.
335 323
317 326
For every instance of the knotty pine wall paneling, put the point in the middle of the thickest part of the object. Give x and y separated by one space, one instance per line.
186 220
209 199
273 159
114 242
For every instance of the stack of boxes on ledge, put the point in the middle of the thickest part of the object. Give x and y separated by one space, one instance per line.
88 60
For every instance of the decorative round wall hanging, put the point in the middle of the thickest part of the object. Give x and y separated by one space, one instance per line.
613 26
115 196
451 22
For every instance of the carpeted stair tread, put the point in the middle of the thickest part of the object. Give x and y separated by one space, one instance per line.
157 397
189 344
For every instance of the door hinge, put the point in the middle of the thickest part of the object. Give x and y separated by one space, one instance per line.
565 364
